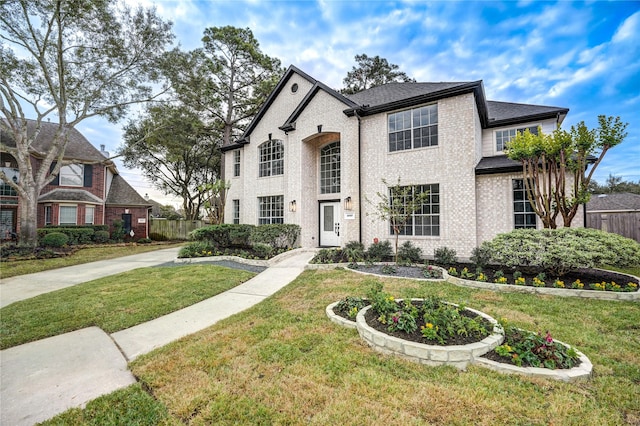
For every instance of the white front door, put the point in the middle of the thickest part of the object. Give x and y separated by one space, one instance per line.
330 224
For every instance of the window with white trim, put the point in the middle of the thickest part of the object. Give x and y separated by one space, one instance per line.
236 212
72 175
426 220
89 214
504 136
271 158
330 168
48 215
236 163
414 128
68 215
270 209
524 217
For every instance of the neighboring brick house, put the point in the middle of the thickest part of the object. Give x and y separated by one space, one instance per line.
313 157
87 192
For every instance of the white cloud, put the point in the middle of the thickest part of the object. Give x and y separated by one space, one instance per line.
630 29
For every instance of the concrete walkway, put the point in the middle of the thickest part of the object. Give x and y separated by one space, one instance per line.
44 378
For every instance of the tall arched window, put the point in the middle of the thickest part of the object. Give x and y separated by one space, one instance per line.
330 168
271 158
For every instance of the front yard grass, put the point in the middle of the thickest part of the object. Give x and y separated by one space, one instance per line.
83 255
115 302
283 362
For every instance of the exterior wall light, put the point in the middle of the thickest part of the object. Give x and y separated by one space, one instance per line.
348 205
292 206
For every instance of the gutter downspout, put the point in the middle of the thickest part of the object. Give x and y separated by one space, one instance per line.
359 175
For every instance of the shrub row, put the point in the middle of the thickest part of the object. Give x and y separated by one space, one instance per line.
76 234
277 236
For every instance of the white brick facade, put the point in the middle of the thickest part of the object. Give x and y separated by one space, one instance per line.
473 207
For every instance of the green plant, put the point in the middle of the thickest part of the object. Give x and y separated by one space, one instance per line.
409 253
528 349
431 272
453 272
480 257
443 321
263 251
389 269
444 256
278 236
351 305
117 233
466 274
54 239
354 251
379 251
324 256
144 241
101 237
197 249
559 251
403 320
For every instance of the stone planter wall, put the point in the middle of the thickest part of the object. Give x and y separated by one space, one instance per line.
458 356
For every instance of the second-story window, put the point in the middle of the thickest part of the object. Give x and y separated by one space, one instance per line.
504 136
414 128
271 158
236 163
72 175
330 169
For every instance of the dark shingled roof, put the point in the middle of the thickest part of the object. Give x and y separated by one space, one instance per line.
614 202
122 194
394 92
501 113
78 147
67 194
497 164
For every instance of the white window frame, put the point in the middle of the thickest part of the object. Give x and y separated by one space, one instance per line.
68 206
522 207
71 175
329 169
406 129
271 158
236 163
88 209
425 222
48 215
270 209
500 140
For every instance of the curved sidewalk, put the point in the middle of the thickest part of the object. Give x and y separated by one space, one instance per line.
42 379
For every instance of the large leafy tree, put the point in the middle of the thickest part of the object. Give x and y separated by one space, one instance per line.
68 60
558 167
371 72
174 150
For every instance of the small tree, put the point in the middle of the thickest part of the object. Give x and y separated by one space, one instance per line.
548 160
397 206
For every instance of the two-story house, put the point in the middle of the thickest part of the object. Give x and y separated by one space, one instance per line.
317 158
87 191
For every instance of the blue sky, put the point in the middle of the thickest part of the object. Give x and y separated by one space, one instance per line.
584 56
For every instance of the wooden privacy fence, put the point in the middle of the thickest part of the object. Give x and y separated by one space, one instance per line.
626 224
173 229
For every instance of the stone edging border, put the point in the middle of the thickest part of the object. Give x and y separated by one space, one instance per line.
253 262
460 282
581 372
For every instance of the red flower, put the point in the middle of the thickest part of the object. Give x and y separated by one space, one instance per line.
548 338
375 241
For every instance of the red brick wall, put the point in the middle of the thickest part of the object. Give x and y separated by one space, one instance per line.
140 229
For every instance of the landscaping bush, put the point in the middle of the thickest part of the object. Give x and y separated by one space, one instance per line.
224 235
144 241
409 253
197 249
444 256
480 257
354 251
279 236
263 250
54 239
559 251
101 237
118 230
379 251
75 234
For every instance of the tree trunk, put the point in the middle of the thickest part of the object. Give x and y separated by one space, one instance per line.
29 217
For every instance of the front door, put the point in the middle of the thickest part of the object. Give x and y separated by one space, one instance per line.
330 224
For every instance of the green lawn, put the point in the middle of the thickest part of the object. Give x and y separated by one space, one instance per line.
84 255
283 362
114 303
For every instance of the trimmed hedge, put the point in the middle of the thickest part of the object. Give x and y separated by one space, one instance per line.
75 234
279 236
55 239
560 251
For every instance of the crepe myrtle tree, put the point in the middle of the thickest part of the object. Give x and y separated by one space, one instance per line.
397 206
548 160
68 60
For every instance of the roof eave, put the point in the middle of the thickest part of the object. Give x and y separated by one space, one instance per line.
558 114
